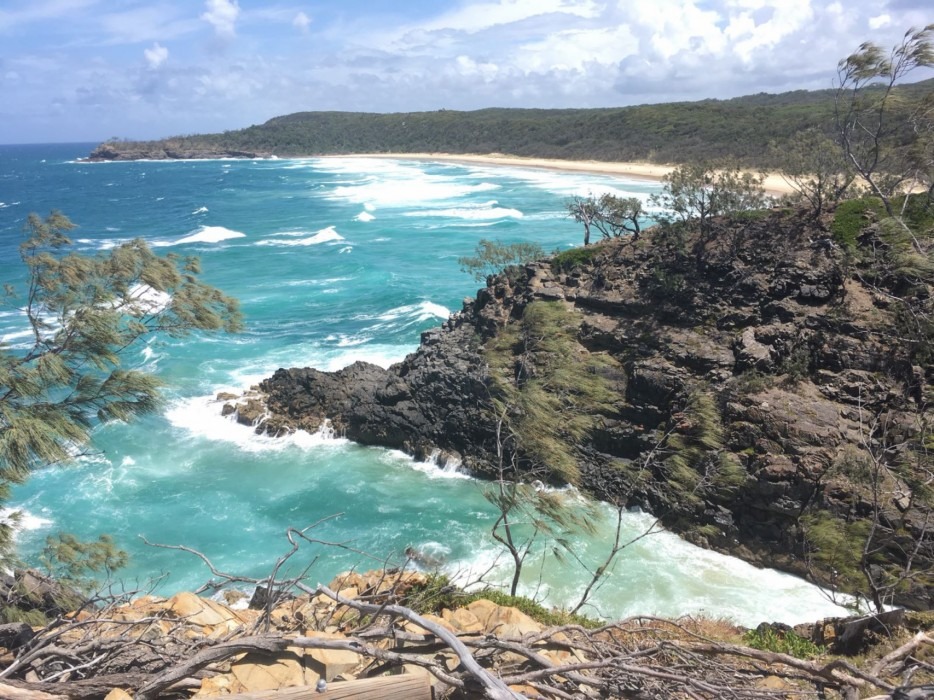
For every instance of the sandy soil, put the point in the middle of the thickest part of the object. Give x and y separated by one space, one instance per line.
774 184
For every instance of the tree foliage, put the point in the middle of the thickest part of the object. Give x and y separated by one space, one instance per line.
493 257
72 561
551 390
814 165
83 313
886 135
545 396
701 192
612 216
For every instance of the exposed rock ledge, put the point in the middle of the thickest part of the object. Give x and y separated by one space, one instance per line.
764 316
163 150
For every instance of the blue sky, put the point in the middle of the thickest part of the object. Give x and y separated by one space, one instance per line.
86 70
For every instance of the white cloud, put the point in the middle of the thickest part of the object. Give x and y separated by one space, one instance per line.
74 59
477 16
468 67
156 56
575 48
222 15
301 21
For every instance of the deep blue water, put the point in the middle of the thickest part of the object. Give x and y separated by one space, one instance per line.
333 260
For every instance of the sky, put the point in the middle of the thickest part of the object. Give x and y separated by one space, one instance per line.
89 70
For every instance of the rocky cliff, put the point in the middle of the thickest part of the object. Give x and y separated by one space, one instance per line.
165 150
813 355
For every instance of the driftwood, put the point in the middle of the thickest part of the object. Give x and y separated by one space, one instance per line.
12 692
79 657
84 689
640 655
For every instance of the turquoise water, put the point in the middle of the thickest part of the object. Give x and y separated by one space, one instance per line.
334 260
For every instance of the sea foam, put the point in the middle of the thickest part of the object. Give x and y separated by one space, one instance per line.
327 235
204 234
395 184
201 417
476 212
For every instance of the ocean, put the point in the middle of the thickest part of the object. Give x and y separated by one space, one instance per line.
333 260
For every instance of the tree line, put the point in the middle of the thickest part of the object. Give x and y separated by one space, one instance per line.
680 132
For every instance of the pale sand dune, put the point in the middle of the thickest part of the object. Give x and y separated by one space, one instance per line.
774 184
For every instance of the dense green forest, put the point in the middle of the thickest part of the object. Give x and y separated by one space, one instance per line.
742 128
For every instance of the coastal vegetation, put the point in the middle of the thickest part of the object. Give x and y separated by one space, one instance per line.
758 378
492 257
83 313
754 131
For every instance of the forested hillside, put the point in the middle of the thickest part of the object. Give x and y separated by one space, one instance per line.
743 128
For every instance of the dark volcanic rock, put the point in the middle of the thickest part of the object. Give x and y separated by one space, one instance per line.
431 401
761 316
163 150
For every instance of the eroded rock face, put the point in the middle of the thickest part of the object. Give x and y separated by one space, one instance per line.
427 403
163 150
762 317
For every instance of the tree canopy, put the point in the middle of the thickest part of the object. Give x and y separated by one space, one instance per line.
83 313
612 216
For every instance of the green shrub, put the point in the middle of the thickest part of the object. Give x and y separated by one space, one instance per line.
782 642
548 617
575 257
754 382
918 213
852 216
438 593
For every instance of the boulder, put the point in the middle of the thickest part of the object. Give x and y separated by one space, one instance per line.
330 663
201 611
462 620
261 672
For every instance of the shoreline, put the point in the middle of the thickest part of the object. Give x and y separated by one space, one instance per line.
774 184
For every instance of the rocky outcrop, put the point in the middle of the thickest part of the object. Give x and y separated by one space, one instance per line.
765 316
164 150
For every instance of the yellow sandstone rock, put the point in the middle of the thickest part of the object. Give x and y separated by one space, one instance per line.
511 622
262 672
118 694
462 620
200 611
330 663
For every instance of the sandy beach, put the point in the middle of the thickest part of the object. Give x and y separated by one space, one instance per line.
774 184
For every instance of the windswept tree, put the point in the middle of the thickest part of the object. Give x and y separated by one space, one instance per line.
545 397
815 167
493 257
887 137
612 216
83 313
702 192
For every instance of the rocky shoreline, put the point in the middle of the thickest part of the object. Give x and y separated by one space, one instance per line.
164 150
770 318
